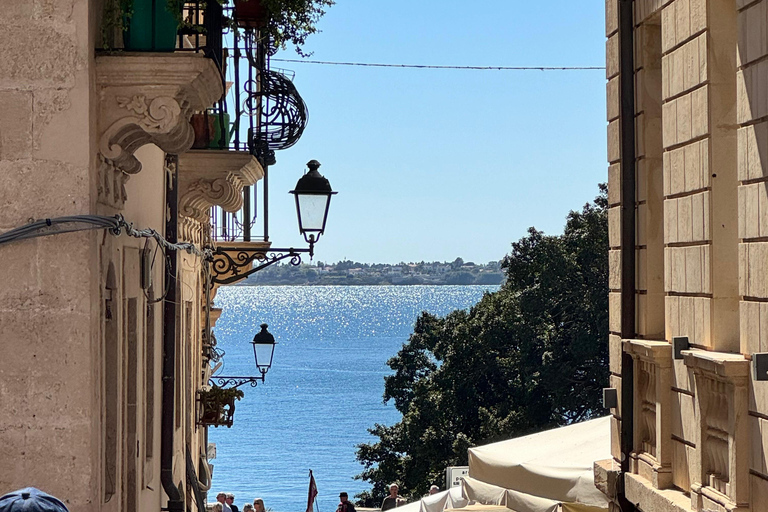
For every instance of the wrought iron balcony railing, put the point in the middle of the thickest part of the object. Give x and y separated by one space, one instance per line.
261 111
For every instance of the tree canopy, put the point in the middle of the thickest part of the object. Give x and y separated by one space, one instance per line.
531 356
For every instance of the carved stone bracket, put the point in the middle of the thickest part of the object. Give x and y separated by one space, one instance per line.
722 454
652 454
111 187
215 178
149 98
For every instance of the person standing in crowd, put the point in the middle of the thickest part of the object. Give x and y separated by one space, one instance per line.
434 490
345 505
258 505
217 507
247 507
393 500
231 502
222 498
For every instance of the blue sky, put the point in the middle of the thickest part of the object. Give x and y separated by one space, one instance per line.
437 164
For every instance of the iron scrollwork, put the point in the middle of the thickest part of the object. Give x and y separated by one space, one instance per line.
228 264
235 382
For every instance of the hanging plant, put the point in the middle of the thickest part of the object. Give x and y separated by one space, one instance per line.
284 21
217 405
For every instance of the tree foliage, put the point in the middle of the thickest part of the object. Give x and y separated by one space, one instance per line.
530 356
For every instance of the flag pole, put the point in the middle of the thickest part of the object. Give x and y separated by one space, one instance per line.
317 507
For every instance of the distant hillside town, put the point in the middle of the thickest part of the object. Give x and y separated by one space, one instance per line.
457 272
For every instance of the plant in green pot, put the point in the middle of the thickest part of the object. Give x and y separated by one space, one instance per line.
281 21
146 25
212 130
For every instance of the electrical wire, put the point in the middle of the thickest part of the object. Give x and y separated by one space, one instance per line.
116 225
60 225
434 66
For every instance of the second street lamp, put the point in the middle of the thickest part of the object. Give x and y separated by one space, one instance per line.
263 351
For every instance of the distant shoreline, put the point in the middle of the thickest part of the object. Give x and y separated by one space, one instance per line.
351 273
362 284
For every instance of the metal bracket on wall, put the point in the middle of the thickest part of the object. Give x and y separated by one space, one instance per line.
235 382
233 264
760 365
679 343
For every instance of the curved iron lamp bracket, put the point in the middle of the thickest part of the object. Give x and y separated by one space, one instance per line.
228 264
235 382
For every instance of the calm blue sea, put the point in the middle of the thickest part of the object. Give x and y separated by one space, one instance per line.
325 386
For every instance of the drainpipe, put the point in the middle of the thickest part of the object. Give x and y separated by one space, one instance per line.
627 130
175 499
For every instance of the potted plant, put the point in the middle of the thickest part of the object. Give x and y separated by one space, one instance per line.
210 126
222 132
281 21
203 126
146 25
217 405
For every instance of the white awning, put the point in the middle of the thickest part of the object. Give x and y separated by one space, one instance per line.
555 465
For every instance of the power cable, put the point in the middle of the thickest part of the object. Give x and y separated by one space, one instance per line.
434 66
115 225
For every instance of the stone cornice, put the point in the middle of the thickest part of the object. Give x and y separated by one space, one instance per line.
659 352
215 178
725 365
149 98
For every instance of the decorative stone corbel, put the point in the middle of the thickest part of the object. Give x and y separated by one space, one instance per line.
149 98
652 454
215 178
111 187
721 459
210 178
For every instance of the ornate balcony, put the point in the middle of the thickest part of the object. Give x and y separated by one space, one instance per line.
236 104
212 179
147 98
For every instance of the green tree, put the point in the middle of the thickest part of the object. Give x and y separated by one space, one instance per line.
530 356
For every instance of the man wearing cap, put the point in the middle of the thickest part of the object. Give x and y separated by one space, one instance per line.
30 499
231 502
222 498
393 500
345 505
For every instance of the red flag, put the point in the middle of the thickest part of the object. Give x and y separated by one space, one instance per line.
312 492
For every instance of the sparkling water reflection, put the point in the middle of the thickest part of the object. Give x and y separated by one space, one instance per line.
325 386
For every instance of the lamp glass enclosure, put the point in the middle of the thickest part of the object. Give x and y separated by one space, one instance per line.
263 349
313 197
312 210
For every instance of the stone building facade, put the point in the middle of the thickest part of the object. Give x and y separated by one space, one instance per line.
85 411
687 105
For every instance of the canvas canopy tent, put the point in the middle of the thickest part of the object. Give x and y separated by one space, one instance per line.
540 471
437 502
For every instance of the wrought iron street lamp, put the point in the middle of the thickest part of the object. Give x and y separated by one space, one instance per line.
263 351
313 198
